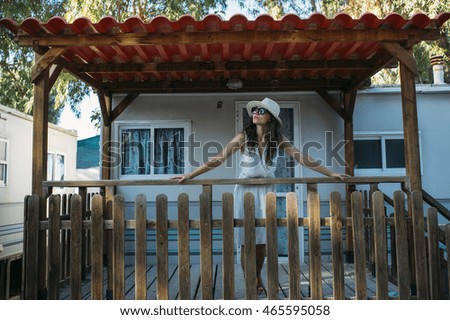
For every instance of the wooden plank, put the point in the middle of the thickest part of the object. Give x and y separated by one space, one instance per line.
44 62
84 242
272 245
420 256
336 246
54 262
228 246
248 36
410 127
359 246
122 106
206 246
401 241
293 246
31 251
314 245
249 247
434 257
381 263
97 248
332 102
162 248
184 277
140 263
405 57
76 260
253 181
119 247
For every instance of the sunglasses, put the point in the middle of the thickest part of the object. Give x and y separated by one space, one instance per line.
259 111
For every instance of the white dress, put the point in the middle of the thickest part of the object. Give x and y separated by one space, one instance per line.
253 166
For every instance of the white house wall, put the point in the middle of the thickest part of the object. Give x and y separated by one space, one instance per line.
17 129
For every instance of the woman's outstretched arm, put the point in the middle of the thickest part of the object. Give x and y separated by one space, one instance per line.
216 160
306 160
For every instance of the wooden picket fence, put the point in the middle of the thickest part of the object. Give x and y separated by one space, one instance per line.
420 264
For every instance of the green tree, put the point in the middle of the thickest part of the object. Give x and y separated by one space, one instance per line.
16 62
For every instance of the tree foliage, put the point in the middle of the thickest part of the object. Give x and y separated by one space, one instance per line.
16 62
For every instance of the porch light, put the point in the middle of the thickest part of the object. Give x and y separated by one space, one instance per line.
235 84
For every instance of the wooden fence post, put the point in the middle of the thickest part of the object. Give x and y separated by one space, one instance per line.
249 247
315 263
359 246
32 208
420 254
434 258
54 247
140 211
336 246
379 227
97 248
184 271
76 247
228 246
118 248
206 246
162 248
293 246
272 246
401 240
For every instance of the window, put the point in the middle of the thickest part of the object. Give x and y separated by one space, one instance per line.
153 149
55 166
379 153
3 162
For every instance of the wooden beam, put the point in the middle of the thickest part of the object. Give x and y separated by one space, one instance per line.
45 62
349 107
121 107
402 55
410 127
105 104
187 66
332 102
55 71
39 168
105 109
83 77
228 37
202 86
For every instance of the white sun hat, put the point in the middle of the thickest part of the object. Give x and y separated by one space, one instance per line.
267 104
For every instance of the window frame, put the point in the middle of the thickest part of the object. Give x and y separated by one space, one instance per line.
4 182
152 125
382 136
54 155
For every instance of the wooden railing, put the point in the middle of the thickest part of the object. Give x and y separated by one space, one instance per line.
419 272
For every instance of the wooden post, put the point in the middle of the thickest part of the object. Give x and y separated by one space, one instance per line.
410 127
228 246
140 211
336 246
39 168
293 246
119 248
349 107
184 272
162 249
359 245
272 246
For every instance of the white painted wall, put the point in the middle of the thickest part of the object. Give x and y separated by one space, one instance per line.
17 128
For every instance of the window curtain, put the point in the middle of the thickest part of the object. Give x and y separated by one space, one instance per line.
136 151
169 151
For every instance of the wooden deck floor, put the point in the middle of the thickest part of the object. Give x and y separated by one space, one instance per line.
327 283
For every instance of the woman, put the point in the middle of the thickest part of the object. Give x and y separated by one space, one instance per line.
259 144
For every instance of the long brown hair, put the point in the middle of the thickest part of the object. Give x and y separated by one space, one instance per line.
273 136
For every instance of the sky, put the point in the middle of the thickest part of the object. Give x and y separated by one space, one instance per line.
83 126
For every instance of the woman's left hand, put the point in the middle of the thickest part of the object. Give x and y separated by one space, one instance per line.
340 176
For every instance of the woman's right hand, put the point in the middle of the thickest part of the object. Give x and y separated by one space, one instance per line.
182 178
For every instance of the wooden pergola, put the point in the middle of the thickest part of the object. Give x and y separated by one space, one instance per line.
198 56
